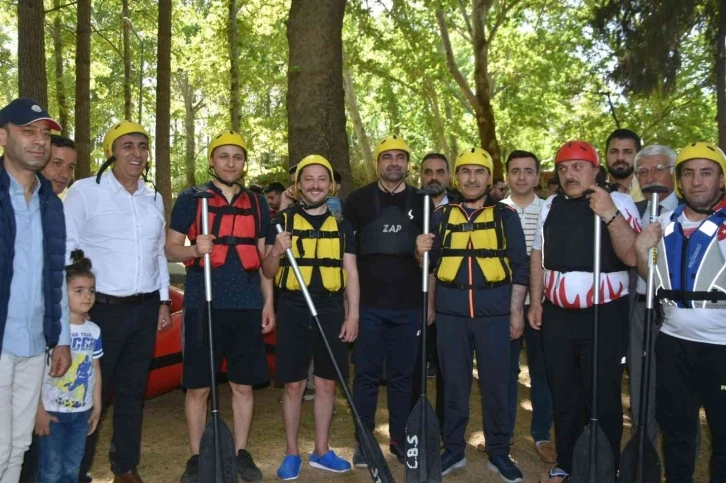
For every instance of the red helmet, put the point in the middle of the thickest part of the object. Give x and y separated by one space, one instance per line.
577 151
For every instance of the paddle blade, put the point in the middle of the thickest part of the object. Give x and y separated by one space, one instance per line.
423 440
592 465
377 466
217 466
630 467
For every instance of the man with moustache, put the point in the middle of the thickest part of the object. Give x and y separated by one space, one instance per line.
523 175
62 164
33 300
324 248
481 272
118 222
690 351
621 147
435 174
273 195
561 271
386 216
653 165
243 303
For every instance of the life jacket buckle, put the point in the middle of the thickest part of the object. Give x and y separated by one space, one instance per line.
315 234
468 226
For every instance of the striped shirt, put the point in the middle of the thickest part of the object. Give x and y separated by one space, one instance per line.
529 218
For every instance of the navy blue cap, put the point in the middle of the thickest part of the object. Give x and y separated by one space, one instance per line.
23 111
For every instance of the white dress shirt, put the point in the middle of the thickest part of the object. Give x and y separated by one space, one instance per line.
122 233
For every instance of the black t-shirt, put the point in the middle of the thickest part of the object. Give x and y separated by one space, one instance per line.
316 288
386 281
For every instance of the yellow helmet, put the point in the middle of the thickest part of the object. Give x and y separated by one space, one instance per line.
121 129
476 156
227 138
314 159
388 143
698 150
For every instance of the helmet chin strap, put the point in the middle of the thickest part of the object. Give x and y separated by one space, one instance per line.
708 211
474 200
112 159
226 183
314 205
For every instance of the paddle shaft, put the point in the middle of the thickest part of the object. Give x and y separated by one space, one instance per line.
592 453
424 297
212 363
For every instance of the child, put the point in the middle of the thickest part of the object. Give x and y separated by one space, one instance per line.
70 406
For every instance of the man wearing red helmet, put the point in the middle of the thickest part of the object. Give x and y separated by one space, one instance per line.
561 270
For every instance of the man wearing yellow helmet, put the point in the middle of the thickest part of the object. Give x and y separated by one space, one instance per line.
243 304
481 274
387 216
118 222
324 248
691 285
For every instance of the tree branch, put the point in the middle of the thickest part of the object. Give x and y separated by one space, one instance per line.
501 18
451 62
59 7
467 21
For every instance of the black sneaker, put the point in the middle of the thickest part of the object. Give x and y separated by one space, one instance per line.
504 465
398 451
246 468
191 472
359 459
451 462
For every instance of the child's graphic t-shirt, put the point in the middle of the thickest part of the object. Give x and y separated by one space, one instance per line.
73 393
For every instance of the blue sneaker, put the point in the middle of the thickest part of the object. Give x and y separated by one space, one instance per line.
290 467
504 465
451 461
329 462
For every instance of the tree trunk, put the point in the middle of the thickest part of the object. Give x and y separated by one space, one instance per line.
234 92
83 89
453 142
127 58
32 81
721 75
315 96
364 145
191 146
60 90
438 124
163 106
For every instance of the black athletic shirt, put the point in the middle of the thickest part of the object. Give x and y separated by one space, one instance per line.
386 281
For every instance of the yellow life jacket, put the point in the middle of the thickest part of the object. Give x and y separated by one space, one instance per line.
321 250
480 236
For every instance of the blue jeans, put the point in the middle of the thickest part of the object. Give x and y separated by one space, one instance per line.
388 335
62 451
539 392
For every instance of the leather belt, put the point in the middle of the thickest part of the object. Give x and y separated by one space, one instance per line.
129 300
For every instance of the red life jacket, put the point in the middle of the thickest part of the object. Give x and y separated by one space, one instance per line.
237 224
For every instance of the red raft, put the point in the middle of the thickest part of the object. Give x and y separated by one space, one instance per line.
166 367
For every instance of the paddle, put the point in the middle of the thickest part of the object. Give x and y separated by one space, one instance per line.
592 458
217 459
377 467
423 435
639 462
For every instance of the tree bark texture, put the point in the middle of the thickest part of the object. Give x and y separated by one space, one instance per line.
60 90
32 81
127 58
315 96
721 75
234 82
364 144
83 88
163 106
191 107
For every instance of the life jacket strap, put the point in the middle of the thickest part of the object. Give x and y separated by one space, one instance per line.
686 296
472 252
234 240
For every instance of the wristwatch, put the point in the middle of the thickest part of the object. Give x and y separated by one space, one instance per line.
165 302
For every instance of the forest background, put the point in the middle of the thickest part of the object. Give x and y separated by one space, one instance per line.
332 77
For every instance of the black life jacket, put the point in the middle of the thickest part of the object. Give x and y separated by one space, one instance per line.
392 231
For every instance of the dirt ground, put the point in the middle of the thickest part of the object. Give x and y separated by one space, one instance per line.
165 449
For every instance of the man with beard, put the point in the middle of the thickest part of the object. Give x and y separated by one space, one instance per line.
621 147
690 351
386 215
481 274
32 263
118 222
324 247
435 174
523 175
561 271
243 304
273 195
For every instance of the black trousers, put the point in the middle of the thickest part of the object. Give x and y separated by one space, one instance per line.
128 334
567 341
690 374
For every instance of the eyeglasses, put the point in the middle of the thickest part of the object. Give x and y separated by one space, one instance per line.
655 170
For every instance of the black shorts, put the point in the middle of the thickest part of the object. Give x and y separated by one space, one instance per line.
299 341
237 337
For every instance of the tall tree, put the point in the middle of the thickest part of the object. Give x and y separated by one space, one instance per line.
315 96
83 88
234 83
364 144
60 91
192 104
32 80
163 105
126 27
